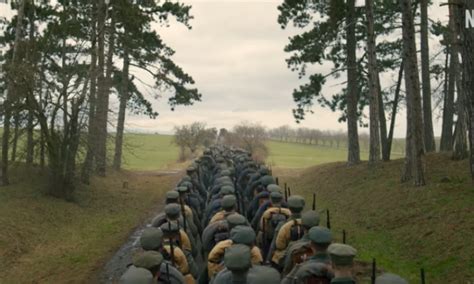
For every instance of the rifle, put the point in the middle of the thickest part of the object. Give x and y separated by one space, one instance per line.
422 274
328 219
314 201
264 237
171 245
168 272
183 212
289 192
374 268
343 236
286 193
277 181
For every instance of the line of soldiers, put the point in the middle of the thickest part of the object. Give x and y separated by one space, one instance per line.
228 221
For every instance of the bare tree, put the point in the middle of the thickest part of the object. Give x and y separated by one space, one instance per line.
191 137
251 137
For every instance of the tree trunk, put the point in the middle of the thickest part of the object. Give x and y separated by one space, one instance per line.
374 88
102 94
42 151
467 39
10 95
352 96
383 125
460 151
396 100
415 150
92 127
122 111
16 134
30 117
425 75
465 87
448 110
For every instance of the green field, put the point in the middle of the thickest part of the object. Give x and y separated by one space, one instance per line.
154 151
149 151
296 155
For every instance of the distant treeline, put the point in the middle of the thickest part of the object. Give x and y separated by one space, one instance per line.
325 138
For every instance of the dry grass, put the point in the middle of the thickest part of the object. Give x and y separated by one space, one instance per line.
405 228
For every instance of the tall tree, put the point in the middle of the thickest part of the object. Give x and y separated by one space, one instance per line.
92 131
352 89
467 40
425 77
144 49
414 168
7 105
100 126
374 88
30 59
446 143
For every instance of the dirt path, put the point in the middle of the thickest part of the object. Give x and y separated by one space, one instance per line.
117 265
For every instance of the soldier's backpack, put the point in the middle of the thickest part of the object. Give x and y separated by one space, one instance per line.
301 254
276 217
221 233
319 275
296 231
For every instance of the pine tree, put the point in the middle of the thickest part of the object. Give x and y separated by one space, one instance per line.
414 168
374 88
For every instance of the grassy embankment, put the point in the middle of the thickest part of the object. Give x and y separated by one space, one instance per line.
47 240
403 227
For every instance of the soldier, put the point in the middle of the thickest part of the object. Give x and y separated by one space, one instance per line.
316 269
258 186
176 238
258 201
220 230
239 268
342 262
228 205
238 235
215 204
193 174
135 275
174 214
152 240
270 220
290 231
189 200
389 278
169 214
300 250
162 271
191 218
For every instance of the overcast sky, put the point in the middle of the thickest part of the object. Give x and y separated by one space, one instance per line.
234 51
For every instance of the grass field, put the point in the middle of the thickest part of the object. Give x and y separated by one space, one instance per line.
295 155
403 227
149 151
